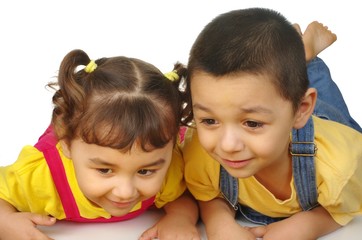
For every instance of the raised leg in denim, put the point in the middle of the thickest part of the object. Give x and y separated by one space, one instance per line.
330 103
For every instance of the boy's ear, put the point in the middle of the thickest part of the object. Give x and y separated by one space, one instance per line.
65 148
306 108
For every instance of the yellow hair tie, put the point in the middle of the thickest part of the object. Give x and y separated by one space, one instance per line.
90 67
172 76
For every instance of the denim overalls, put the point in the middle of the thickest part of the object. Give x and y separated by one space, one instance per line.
330 105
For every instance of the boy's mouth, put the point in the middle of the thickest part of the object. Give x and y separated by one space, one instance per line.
236 163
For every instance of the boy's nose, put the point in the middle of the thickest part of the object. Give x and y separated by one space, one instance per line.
231 141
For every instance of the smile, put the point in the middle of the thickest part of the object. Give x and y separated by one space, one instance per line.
236 163
128 204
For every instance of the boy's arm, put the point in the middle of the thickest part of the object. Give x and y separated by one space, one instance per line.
179 222
220 223
306 225
11 221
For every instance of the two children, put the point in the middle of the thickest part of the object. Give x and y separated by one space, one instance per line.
257 148
110 153
265 145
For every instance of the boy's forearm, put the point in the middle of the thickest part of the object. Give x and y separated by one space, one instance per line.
318 222
322 221
185 206
216 213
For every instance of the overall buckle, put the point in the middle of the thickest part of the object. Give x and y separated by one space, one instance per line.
293 148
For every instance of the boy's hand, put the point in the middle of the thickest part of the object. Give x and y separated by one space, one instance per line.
172 228
178 223
306 225
22 226
220 223
231 232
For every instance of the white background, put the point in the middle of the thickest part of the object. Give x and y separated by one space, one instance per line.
35 36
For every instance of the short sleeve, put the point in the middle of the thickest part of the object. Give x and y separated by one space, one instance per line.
28 186
174 184
339 170
201 171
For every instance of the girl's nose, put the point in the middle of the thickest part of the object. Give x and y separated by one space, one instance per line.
124 189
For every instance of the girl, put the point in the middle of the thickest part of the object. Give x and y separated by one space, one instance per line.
109 154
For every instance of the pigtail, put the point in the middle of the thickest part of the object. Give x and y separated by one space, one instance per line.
68 100
181 71
183 89
73 93
178 77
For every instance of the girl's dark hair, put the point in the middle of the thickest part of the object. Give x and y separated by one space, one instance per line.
122 102
256 41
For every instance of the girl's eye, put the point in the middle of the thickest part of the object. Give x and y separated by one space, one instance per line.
104 170
146 172
208 121
253 124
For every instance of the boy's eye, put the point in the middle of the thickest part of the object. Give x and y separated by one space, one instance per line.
104 170
253 124
146 172
208 121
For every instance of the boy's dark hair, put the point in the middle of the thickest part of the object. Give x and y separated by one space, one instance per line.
256 41
122 102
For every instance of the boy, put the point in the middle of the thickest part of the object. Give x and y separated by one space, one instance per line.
258 149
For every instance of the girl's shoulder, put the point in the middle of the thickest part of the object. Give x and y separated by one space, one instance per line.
29 159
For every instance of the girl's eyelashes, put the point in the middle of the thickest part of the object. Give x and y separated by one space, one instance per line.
104 171
143 172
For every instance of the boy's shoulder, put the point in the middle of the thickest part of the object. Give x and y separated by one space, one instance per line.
331 130
337 143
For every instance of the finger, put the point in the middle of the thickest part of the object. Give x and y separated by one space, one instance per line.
258 231
149 234
43 220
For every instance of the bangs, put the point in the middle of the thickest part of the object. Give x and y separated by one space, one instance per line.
120 122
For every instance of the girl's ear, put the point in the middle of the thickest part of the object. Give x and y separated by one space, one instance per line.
65 148
306 108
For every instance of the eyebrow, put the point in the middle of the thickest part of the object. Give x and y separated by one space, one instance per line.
256 109
200 107
155 163
99 161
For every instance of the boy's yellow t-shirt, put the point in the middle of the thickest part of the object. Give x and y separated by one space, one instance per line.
27 184
338 165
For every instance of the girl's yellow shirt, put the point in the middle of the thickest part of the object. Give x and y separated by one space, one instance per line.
28 185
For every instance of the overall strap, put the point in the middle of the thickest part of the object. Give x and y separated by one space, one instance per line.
47 144
229 187
303 150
